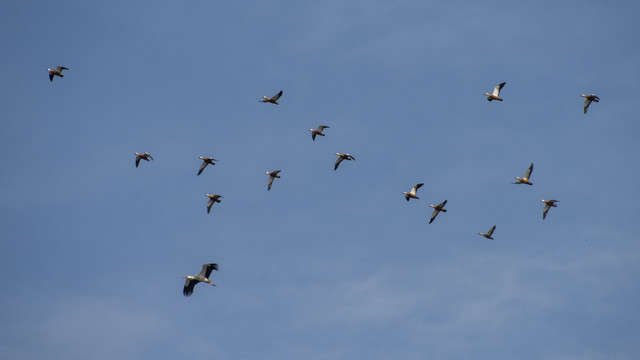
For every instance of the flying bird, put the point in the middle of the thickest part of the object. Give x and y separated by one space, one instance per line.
489 233
212 199
206 161
526 177
589 99
273 99
412 193
315 132
548 204
272 175
437 209
56 72
202 277
340 158
144 156
496 93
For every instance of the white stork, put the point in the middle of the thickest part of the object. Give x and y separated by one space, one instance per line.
203 276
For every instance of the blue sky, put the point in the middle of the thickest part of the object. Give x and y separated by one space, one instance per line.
328 264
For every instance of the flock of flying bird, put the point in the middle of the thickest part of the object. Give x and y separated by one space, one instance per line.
205 273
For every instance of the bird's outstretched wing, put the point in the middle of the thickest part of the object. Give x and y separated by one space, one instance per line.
137 161
434 214
586 105
209 205
545 211
188 287
276 96
497 89
207 268
322 127
490 232
528 173
51 76
60 68
313 136
415 188
270 183
202 166
338 161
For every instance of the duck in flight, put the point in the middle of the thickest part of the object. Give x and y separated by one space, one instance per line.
212 199
56 72
273 99
340 158
526 177
437 209
206 161
489 233
144 156
413 193
588 100
496 93
272 175
548 204
318 131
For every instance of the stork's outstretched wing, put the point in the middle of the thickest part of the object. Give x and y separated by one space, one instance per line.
188 287
207 268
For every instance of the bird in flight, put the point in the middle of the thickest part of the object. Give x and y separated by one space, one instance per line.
489 233
548 204
206 161
315 132
212 199
526 177
272 175
273 99
589 99
340 158
56 72
412 194
496 93
144 156
191 281
437 209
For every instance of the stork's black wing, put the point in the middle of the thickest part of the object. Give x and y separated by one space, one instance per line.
188 287
207 268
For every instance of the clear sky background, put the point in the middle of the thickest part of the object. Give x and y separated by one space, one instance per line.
328 264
